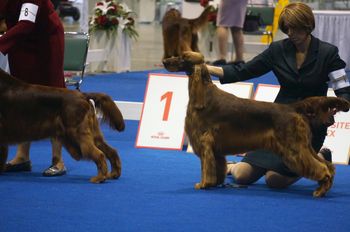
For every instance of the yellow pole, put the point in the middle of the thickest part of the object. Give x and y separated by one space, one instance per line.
278 9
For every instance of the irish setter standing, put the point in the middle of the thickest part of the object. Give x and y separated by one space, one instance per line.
32 112
218 123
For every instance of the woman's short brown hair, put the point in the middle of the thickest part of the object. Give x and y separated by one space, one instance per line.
297 15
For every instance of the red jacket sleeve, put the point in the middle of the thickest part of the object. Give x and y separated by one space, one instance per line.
16 33
19 31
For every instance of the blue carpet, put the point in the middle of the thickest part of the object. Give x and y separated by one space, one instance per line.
130 86
155 191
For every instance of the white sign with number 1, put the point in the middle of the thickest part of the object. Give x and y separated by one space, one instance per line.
163 115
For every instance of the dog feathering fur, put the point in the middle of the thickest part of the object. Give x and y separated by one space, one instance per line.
34 112
218 123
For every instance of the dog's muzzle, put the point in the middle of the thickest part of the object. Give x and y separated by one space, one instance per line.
174 64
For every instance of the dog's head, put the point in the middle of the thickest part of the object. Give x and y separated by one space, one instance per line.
193 64
184 63
320 110
180 34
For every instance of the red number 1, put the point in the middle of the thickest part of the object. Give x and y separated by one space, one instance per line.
168 96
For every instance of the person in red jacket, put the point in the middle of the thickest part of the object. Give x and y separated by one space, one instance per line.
34 43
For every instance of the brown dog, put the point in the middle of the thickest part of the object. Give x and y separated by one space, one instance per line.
33 112
218 123
181 34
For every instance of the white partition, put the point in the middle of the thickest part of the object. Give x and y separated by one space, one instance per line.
333 27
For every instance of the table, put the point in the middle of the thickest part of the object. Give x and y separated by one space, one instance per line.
334 27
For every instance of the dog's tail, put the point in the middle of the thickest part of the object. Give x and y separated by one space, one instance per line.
110 112
202 19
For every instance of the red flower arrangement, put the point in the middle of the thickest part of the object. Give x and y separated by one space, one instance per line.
204 3
109 15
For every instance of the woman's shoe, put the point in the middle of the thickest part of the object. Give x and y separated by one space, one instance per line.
327 154
20 167
55 171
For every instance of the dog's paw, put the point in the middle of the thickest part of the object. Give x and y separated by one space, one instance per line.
318 193
204 186
324 186
113 175
98 179
198 186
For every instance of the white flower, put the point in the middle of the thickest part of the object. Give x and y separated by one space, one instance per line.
104 8
126 8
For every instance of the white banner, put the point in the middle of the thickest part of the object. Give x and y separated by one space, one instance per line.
163 115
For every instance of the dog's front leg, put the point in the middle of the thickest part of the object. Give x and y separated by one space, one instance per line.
208 163
221 169
3 157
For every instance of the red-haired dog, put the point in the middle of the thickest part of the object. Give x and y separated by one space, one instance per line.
218 123
34 112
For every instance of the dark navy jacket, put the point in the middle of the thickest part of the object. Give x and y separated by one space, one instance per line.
280 58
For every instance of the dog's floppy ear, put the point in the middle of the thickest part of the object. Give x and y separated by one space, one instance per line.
197 88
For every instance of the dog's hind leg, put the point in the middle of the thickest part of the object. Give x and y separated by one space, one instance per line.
208 163
305 164
299 156
109 152
3 157
84 148
321 171
112 156
90 151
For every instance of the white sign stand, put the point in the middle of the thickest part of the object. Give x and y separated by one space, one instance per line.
239 89
338 136
266 92
163 113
